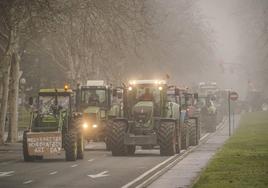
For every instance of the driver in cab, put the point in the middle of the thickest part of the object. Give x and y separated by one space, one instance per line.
93 99
147 96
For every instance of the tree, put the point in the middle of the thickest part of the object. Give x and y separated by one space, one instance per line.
16 20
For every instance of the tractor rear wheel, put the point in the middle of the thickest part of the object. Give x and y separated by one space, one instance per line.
108 135
70 146
167 138
80 146
194 134
118 130
26 156
185 135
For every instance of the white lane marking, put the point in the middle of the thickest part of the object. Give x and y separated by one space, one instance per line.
99 175
149 171
54 172
75 165
28 181
90 160
6 174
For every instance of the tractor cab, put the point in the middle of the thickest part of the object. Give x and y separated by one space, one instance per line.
96 102
94 94
208 88
145 99
53 109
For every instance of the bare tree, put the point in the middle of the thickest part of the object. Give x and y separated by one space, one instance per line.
17 21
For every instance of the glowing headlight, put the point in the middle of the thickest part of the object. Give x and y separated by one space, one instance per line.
94 126
130 88
85 125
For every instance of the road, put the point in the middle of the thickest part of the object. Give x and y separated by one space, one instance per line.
98 169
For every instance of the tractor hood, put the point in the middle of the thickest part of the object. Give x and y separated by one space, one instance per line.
92 110
142 112
93 114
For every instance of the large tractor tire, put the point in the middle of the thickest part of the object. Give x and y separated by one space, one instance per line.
185 135
131 149
26 156
167 138
70 146
80 146
108 135
118 130
194 133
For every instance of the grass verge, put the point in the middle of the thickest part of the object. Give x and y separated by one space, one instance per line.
243 160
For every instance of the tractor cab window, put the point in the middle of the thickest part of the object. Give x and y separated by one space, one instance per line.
146 93
47 104
64 102
94 97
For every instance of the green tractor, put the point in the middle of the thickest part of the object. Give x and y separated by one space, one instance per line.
189 115
149 119
53 127
97 103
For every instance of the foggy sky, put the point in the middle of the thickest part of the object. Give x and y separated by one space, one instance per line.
222 17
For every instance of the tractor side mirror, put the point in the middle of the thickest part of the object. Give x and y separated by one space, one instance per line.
30 101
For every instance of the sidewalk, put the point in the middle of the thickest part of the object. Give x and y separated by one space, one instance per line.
186 172
10 152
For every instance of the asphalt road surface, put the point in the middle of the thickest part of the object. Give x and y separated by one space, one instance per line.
98 169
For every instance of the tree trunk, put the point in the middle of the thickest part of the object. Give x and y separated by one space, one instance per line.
13 98
5 89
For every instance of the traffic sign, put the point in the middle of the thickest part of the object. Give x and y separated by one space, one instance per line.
233 96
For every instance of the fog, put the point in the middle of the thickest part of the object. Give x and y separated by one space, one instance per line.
239 27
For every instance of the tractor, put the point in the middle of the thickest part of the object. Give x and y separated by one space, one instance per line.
149 119
98 102
209 106
189 115
53 127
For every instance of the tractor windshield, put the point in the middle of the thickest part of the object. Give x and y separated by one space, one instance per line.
48 103
147 93
94 97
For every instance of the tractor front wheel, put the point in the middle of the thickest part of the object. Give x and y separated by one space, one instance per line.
118 130
80 146
70 146
167 138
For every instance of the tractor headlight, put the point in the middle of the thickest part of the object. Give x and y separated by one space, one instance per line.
95 126
85 125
